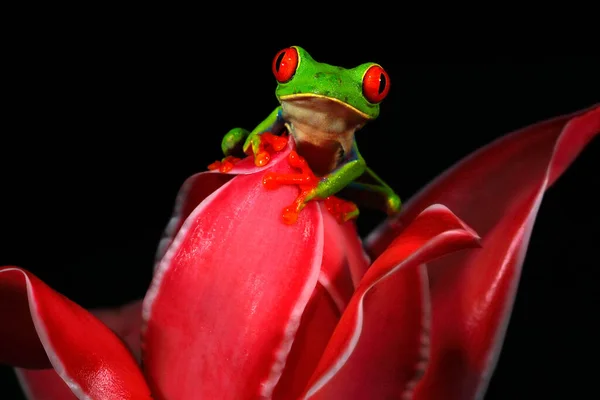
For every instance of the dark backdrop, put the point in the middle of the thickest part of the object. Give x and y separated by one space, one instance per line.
102 128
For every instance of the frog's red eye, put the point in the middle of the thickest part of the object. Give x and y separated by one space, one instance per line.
376 84
285 64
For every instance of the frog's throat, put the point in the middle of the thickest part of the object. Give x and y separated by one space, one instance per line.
333 99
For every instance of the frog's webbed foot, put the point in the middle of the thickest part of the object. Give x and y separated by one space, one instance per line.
305 180
308 184
342 210
225 165
259 145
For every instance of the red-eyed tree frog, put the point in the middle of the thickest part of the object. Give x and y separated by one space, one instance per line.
321 106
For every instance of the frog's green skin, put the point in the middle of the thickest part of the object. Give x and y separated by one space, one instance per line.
322 106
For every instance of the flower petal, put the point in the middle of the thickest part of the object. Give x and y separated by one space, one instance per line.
199 186
343 260
497 191
43 384
46 384
85 353
227 298
379 346
319 319
126 323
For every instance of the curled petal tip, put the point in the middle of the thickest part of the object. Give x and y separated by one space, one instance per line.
85 353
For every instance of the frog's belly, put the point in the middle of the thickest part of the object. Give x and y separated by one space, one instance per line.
322 157
323 130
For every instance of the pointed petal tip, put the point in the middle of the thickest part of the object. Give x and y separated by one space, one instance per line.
45 325
439 217
445 212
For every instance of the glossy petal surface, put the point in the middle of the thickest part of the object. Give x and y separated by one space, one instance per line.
497 191
227 298
43 384
85 353
380 345
46 384
199 186
343 260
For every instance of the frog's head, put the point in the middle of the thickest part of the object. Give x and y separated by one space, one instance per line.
358 89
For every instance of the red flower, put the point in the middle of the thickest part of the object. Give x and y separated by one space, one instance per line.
244 306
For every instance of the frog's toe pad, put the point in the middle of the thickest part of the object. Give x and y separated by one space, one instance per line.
262 158
393 204
225 165
342 210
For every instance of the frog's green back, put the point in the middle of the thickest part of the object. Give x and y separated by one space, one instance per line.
312 78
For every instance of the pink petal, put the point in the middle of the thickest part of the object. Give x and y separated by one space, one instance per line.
199 186
381 342
497 191
227 297
343 259
84 352
46 384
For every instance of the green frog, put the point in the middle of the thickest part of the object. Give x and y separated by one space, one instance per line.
321 106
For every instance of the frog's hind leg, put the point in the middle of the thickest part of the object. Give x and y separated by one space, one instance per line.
380 189
314 188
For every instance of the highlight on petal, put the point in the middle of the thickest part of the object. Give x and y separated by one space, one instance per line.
497 190
227 298
380 346
199 186
46 384
92 361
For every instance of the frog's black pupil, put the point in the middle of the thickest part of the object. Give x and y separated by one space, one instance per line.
382 83
278 62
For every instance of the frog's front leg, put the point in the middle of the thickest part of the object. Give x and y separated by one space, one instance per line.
233 140
238 141
314 188
265 134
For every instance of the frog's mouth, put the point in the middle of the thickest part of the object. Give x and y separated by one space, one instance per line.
307 96
323 128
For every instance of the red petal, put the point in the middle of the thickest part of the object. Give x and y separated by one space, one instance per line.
84 352
497 191
343 260
126 323
199 186
318 322
43 384
227 298
46 384
380 344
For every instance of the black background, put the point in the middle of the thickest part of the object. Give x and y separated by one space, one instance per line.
102 126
